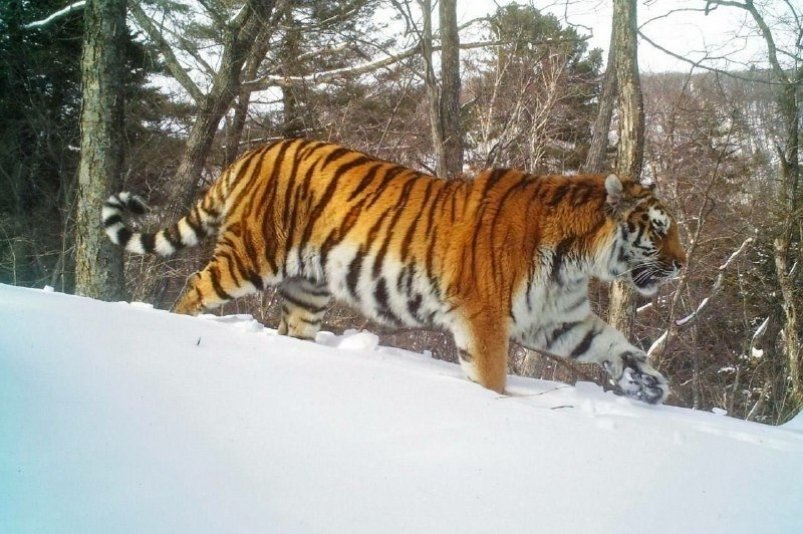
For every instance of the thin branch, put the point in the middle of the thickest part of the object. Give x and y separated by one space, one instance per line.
699 64
715 288
273 80
61 13
765 32
166 50
716 285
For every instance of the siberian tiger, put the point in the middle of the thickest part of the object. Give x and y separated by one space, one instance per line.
506 255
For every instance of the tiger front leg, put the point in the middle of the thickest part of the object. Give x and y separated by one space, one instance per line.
592 340
482 346
636 377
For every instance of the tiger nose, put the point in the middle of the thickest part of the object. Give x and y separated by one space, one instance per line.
677 264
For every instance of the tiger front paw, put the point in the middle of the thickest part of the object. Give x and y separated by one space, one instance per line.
636 378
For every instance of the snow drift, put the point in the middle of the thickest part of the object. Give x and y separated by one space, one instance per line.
116 417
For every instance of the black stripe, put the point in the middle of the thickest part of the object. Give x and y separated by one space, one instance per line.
500 204
582 193
123 235
584 345
560 192
366 179
255 280
414 305
214 276
493 179
386 180
173 236
353 275
328 193
262 205
383 302
295 301
195 227
112 220
250 250
241 271
135 205
317 291
403 280
345 167
559 332
335 155
558 257
287 215
148 242
431 214
305 184
574 305
337 235
401 204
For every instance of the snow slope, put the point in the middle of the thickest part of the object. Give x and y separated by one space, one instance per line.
116 417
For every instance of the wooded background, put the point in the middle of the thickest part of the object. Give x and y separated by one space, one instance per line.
158 96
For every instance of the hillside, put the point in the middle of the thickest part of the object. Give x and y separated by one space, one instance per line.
116 417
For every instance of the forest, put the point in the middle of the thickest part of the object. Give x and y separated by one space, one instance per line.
158 97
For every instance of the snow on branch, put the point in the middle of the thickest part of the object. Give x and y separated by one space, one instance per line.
657 343
716 286
61 13
760 331
692 315
738 251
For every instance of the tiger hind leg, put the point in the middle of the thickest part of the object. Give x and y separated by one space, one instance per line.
213 286
304 303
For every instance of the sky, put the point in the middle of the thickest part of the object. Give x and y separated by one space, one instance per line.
669 23
116 417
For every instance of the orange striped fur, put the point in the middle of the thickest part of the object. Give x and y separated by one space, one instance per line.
504 256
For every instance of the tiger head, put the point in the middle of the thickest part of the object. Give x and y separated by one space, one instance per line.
648 249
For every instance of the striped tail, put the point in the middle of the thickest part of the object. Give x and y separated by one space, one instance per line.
187 232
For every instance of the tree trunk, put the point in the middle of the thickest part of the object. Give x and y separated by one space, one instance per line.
444 97
98 263
790 201
235 131
433 91
451 129
293 119
225 88
630 152
595 159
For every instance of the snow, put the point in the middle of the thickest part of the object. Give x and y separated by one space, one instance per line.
75 6
118 417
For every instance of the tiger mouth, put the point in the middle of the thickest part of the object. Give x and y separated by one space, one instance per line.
647 278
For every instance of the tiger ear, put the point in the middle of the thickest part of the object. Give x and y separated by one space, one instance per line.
615 190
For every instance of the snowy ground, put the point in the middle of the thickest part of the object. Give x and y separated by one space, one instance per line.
120 418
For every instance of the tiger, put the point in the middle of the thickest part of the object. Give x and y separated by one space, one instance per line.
505 256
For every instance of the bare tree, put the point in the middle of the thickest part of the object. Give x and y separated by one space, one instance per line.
98 264
450 125
630 152
788 242
595 159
